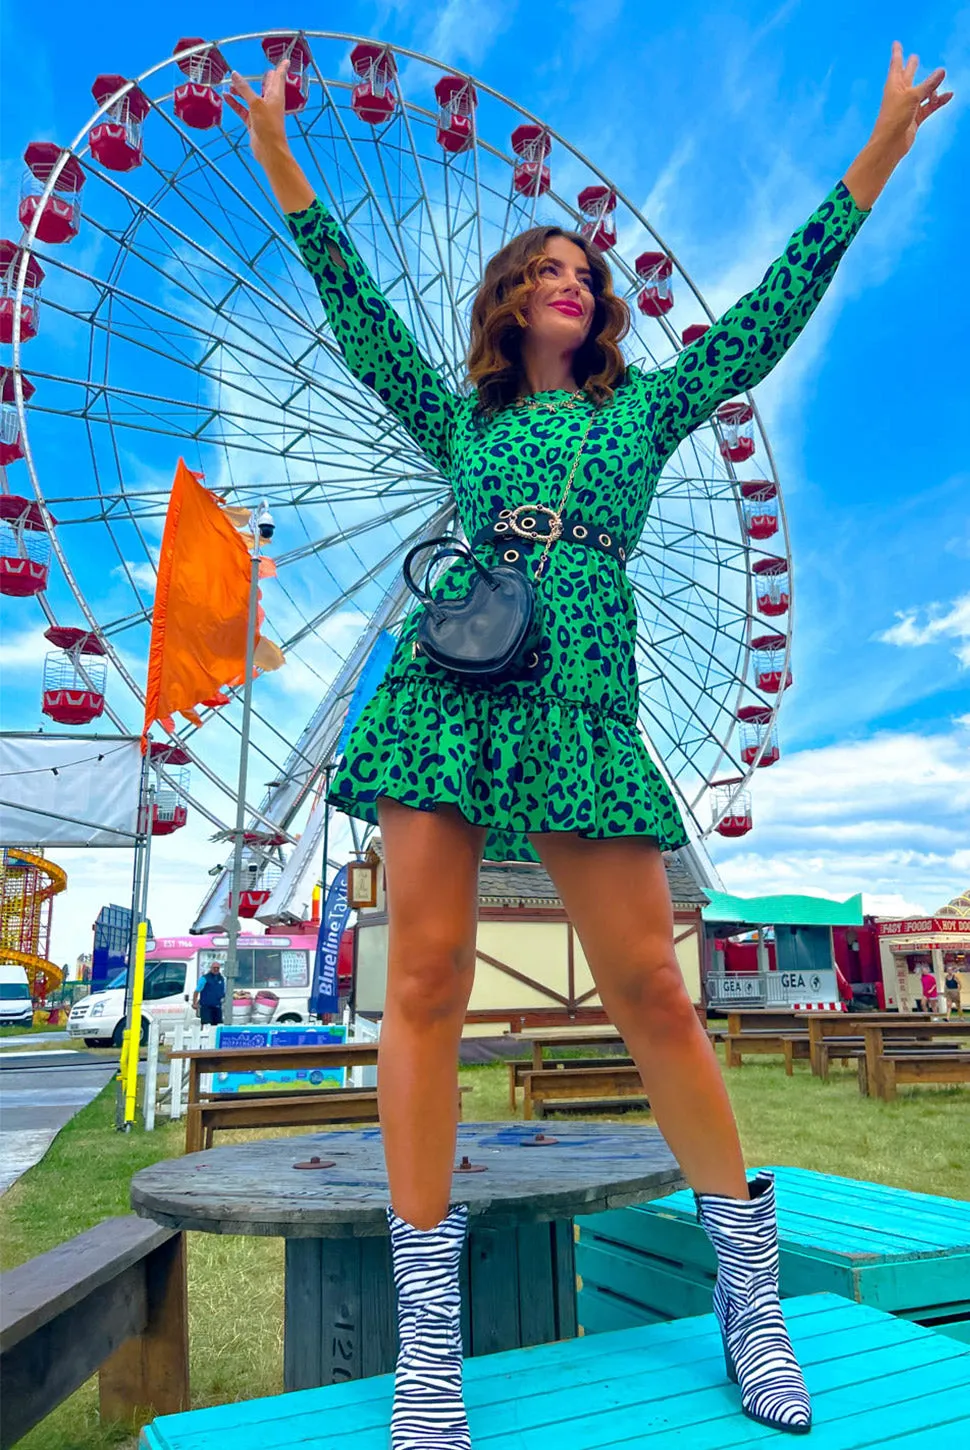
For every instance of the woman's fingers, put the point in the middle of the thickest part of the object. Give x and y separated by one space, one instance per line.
933 104
896 59
927 87
912 66
242 88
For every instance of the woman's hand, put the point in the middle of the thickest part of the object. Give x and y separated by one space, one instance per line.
904 108
265 120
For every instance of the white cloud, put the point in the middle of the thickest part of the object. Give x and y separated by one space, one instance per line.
931 623
142 574
24 650
886 816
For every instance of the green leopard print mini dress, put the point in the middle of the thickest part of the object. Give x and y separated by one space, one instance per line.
556 748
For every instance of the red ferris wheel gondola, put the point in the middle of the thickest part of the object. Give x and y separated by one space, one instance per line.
10 261
116 141
25 547
60 215
373 98
457 99
769 660
11 443
757 729
74 691
760 505
656 295
695 331
531 145
295 48
731 808
598 207
197 102
772 587
736 423
169 813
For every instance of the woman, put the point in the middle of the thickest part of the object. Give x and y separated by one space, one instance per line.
549 763
952 988
930 989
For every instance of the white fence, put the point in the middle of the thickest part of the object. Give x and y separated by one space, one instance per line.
166 1078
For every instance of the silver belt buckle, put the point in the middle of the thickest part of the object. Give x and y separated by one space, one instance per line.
527 510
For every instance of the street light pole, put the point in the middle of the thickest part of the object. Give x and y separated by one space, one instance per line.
262 527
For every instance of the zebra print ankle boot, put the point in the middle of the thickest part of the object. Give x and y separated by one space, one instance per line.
757 1351
429 1413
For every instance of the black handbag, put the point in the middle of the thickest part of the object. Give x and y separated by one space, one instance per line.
488 630
493 627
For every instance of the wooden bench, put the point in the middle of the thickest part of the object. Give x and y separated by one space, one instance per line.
872 1378
518 1070
850 1049
790 1045
913 1066
110 1302
598 1089
879 1077
222 1111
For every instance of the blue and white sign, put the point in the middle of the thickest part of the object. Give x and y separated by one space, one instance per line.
336 914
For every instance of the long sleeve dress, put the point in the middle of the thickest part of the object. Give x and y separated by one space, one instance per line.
556 748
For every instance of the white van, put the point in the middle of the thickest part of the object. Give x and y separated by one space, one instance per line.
281 965
16 1008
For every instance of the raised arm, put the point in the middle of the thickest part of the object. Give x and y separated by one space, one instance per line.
744 345
376 344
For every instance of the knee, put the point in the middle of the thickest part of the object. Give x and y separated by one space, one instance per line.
655 987
430 976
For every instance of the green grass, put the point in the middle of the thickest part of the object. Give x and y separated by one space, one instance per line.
12 1031
236 1283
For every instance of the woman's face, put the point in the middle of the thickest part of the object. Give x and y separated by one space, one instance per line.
560 310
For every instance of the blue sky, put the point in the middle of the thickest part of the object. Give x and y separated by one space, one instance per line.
725 124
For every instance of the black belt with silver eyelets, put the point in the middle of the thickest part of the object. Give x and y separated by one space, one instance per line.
533 525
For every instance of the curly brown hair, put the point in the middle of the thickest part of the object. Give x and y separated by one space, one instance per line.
498 320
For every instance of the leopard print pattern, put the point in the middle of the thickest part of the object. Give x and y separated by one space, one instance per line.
555 748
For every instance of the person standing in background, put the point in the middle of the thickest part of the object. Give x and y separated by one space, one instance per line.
210 993
952 989
930 990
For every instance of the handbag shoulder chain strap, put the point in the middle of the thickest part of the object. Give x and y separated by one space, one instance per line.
555 530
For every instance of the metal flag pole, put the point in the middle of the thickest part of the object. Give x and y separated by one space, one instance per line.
263 528
139 910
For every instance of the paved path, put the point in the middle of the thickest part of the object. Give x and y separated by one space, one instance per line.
40 1091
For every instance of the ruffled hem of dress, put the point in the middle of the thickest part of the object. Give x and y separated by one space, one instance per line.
511 762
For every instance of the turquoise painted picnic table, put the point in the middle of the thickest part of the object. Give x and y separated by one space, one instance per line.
875 1381
907 1253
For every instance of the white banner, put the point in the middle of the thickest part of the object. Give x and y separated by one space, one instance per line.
69 790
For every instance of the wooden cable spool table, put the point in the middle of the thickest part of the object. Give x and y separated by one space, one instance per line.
518 1273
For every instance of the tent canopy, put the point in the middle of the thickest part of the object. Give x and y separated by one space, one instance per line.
782 910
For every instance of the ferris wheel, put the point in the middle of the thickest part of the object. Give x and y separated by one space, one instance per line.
156 306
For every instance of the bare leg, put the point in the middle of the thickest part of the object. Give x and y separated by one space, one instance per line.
616 895
431 863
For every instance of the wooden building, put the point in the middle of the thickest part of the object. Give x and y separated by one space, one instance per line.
530 969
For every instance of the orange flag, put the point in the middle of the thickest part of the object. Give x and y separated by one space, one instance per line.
201 604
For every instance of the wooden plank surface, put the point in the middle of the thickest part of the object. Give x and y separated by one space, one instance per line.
254 1188
873 1379
38 1291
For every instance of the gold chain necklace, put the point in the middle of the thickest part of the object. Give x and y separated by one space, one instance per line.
575 400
